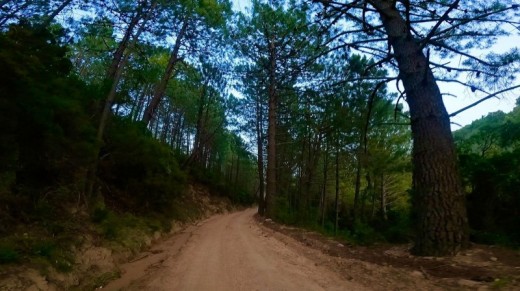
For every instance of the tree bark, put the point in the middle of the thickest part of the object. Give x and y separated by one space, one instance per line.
438 197
116 69
357 189
161 87
260 157
118 54
383 198
336 204
324 189
271 132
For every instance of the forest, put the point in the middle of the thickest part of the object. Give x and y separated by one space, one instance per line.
325 114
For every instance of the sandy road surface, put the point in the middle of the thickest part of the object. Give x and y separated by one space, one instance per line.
230 252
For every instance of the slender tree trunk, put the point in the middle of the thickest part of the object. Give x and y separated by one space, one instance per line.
91 173
336 204
383 198
438 197
271 132
166 127
196 155
116 69
260 157
237 171
324 188
138 103
357 189
161 87
372 192
121 49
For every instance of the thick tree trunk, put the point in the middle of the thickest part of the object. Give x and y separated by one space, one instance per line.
438 197
161 87
271 132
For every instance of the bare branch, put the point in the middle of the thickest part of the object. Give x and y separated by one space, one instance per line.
483 99
438 24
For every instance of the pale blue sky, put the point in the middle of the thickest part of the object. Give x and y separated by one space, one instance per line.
505 103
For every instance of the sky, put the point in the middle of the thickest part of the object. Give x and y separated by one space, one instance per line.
464 96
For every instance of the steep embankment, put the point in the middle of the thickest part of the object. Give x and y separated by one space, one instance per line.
95 259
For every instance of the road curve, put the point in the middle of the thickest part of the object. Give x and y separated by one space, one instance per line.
231 252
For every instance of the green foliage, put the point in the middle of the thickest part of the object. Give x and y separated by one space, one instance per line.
398 227
48 138
143 172
8 254
489 154
364 234
47 251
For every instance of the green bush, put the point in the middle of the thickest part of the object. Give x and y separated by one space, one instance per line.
142 173
283 212
364 234
8 254
492 238
398 228
98 215
43 248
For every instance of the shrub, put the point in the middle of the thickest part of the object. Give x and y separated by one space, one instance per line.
140 172
8 254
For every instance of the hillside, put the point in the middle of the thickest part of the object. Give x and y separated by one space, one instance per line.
92 253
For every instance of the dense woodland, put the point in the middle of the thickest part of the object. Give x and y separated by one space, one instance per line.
114 106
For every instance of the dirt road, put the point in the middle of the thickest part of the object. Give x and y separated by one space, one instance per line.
238 252
228 252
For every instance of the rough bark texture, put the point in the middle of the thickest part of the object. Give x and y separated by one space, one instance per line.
260 158
271 133
384 214
439 201
336 201
357 188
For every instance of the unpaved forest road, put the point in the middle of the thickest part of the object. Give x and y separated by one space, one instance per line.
239 251
228 252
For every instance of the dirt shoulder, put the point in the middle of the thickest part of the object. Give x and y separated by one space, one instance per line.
392 267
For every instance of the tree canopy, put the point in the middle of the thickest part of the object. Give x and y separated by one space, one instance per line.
288 104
